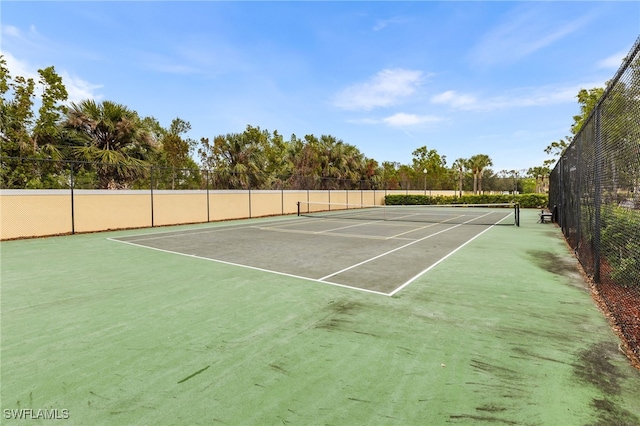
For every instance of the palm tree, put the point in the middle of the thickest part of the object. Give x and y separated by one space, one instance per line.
477 164
113 136
460 165
237 159
539 174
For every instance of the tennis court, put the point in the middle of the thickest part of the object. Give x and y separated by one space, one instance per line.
333 244
235 323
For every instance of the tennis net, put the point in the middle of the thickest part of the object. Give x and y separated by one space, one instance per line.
467 214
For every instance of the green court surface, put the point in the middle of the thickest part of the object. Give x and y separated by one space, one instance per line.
500 330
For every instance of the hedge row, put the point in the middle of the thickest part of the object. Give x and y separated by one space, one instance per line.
525 200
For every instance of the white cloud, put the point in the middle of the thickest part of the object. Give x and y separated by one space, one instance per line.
455 100
363 121
614 61
519 98
18 67
399 119
16 39
402 119
524 31
77 88
11 31
388 87
383 23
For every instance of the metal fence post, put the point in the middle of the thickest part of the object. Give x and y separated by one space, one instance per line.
151 186
206 172
597 197
72 184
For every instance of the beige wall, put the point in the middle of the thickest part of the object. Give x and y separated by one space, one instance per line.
34 213
175 207
104 210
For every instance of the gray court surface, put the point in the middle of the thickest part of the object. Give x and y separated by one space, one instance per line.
374 256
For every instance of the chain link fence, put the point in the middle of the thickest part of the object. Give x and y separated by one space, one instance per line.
595 189
37 173
47 197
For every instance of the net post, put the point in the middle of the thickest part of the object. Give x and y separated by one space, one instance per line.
298 204
517 213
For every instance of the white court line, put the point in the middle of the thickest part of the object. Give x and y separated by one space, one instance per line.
415 229
438 262
443 258
251 267
348 226
396 249
330 234
321 280
217 227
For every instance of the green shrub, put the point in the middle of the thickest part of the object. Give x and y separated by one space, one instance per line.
620 243
525 200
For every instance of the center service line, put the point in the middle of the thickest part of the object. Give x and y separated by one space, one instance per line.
395 249
444 258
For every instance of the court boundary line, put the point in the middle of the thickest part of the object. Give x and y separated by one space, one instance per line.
217 226
400 248
421 273
323 279
442 259
380 222
331 234
387 252
255 268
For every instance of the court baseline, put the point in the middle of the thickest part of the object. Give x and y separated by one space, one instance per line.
385 265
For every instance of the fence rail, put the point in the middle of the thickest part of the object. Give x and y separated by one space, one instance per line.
38 173
595 188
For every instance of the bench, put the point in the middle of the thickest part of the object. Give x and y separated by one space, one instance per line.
546 217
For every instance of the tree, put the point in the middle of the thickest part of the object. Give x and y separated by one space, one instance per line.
176 151
237 159
4 88
16 121
390 174
46 133
432 162
587 99
21 137
460 166
342 164
540 175
279 166
17 118
113 136
338 165
372 173
477 164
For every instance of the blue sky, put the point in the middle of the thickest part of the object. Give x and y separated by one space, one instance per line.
464 78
